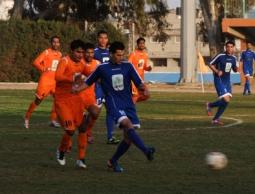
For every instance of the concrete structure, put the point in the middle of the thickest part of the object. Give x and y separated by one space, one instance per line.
165 57
5 6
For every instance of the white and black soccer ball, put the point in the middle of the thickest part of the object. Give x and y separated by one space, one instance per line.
216 160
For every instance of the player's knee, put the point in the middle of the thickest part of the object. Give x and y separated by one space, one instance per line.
70 132
38 101
126 124
227 99
94 111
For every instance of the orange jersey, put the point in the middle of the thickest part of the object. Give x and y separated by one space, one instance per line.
47 63
88 95
66 70
140 61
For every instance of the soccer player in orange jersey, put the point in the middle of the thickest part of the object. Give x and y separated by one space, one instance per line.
88 95
46 63
139 59
69 106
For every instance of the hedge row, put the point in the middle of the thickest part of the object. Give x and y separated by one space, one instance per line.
21 41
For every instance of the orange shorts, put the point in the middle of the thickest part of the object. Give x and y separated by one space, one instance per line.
44 89
88 97
136 95
70 111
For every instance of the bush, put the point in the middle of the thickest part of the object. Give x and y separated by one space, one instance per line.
22 40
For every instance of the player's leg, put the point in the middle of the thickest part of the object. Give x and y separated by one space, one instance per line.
31 109
130 136
64 111
247 83
110 123
225 98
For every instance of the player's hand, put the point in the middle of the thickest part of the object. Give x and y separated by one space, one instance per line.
219 73
78 79
77 88
143 90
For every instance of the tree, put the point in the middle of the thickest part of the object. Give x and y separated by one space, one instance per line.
17 10
213 12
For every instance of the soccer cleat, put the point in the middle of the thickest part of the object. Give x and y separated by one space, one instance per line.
55 124
150 153
26 124
61 157
114 166
208 109
217 122
113 140
91 140
81 163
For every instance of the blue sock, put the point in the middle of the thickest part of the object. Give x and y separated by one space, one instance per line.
248 86
245 87
122 148
134 137
221 110
109 125
216 103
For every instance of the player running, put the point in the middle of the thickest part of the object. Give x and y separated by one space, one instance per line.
247 59
221 66
46 63
116 77
139 58
102 54
69 106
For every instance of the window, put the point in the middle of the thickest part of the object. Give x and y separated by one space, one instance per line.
159 62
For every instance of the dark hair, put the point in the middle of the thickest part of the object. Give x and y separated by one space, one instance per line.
88 45
230 42
248 42
116 46
101 32
53 37
140 39
77 44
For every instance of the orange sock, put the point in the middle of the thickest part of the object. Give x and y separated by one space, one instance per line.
82 145
89 127
65 141
53 114
30 110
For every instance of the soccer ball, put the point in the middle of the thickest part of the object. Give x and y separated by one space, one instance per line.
216 160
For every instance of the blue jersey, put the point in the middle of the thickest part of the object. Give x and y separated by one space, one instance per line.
224 63
116 83
102 55
247 57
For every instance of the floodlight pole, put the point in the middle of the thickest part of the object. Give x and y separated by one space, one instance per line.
188 42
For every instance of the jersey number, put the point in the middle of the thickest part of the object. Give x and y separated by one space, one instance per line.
54 65
105 59
140 64
117 82
228 67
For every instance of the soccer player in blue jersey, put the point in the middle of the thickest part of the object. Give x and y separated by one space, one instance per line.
102 54
247 59
221 65
116 76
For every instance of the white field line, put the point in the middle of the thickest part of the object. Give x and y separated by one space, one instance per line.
58 131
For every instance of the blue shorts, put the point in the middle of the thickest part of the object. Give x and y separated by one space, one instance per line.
119 115
223 88
247 71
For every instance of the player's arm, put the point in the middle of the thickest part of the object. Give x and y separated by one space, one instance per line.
38 62
88 82
138 82
213 67
215 70
234 67
61 74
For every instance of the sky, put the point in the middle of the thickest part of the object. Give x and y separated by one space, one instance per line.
174 3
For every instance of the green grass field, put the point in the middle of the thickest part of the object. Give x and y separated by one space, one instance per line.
175 123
